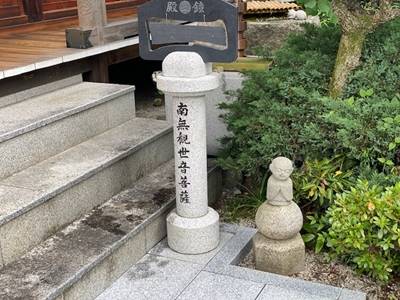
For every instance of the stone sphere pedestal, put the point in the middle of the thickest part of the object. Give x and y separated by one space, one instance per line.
279 222
278 246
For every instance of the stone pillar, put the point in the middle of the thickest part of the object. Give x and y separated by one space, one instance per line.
193 227
278 246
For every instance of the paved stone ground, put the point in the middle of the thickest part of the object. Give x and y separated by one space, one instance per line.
165 274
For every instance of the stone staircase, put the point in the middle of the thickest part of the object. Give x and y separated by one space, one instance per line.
84 188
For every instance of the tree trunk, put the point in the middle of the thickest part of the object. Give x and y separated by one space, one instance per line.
348 58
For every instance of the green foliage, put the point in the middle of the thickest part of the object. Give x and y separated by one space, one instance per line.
366 129
245 205
380 63
322 8
316 185
318 181
280 111
315 228
378 178
283 111
274 109
365 229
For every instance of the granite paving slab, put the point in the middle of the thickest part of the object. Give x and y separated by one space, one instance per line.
162 249
153 277
218 279
220 287
277 293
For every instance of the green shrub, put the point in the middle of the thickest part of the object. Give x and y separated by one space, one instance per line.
282 111
380 63
365 229
274 109
378 178
316 185
317 182
366 128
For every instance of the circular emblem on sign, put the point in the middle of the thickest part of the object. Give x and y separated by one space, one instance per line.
185 7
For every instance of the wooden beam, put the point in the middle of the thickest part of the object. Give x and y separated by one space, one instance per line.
115 31
120 30
122 55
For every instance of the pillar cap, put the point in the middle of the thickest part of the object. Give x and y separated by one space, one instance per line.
186 73
184 64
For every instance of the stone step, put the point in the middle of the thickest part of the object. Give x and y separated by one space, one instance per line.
40 200
86 257
29 93
36 129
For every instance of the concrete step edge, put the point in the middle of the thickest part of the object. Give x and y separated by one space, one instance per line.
87 281
41 121
39 90
30 148
37 202
12 181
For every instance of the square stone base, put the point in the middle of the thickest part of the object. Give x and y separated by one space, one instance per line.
283 257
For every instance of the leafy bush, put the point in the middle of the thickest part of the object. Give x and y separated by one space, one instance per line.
378 178
322 8
272 109
366 128
316 185
282 111
317 182
380 63
365 229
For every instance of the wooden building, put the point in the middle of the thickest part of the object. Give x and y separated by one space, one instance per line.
13 12
33 38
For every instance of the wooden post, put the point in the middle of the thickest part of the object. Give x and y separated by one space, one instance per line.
242 28
93 16
94 29
99 69
33 9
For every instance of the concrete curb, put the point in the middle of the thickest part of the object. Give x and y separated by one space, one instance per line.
238 247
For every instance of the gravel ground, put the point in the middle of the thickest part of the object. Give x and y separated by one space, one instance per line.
150 108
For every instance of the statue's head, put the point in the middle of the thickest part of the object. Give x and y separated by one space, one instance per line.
281 168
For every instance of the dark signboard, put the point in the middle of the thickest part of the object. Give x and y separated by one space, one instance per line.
208 27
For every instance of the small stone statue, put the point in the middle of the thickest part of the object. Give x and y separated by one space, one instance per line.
297 15
278 246
280 186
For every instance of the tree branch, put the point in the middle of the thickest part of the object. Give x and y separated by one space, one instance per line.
386 12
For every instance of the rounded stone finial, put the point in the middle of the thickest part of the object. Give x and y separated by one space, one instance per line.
192 67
